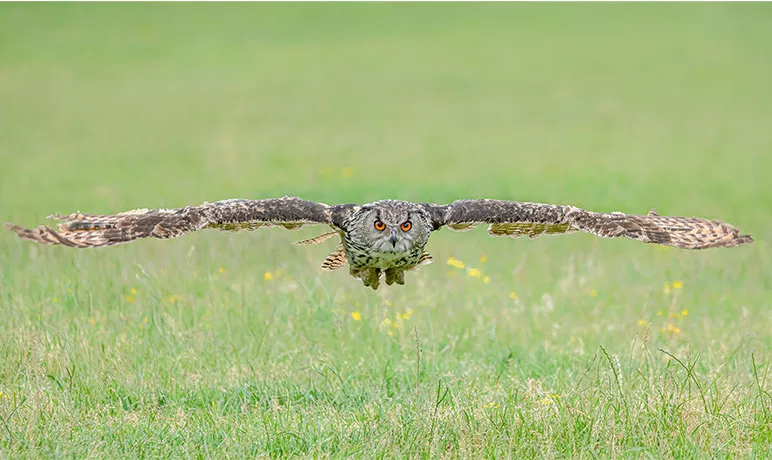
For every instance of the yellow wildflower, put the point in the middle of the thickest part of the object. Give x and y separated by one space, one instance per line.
592 293
408 313
475 273
268 276
387 303
678 284
660 313
666 289
673 329
453 262
130 298
92 321
54 300
346 172
684 312
144 320
643 322
491 404
133 291
486 279
356 316
512 295
483 258
221 270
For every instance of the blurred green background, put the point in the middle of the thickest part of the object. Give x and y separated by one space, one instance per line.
603 106
107 107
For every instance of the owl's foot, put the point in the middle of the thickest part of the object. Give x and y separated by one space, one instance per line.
371 277
395 275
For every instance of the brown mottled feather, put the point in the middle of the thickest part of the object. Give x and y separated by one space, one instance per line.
462 226
317 239
528 229
336 259
425 259
90 230
533 219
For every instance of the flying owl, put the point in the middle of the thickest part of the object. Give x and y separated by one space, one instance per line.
383 238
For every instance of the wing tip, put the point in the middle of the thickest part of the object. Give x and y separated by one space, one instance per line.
744 239
40 234
729 241
23 232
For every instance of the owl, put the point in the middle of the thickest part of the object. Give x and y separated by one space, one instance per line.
383 239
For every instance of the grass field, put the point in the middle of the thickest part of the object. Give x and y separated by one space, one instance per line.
230 345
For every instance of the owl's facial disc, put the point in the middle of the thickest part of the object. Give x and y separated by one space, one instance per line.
392 228
392 232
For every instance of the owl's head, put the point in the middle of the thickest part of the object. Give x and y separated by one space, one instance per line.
390 226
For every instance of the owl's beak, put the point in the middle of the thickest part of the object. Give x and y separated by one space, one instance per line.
393 238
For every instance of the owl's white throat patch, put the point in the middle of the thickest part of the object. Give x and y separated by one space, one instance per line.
401 247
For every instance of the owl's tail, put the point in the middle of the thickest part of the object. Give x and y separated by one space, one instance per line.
89 230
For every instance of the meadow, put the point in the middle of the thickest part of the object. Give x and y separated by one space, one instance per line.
236 344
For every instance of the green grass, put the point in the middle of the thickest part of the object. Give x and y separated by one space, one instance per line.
184 348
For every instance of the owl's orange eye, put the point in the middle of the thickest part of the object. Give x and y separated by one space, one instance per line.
379 225
407 225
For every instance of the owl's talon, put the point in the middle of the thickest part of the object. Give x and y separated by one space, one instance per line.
395 275
370 277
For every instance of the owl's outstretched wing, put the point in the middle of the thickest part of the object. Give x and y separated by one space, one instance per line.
510 218
88 230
